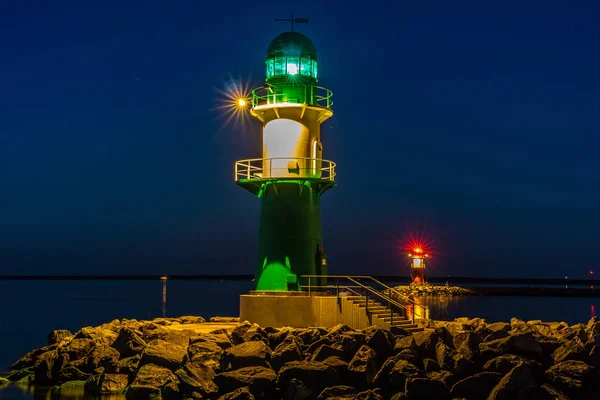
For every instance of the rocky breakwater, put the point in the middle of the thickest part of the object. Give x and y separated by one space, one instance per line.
465 358
425 289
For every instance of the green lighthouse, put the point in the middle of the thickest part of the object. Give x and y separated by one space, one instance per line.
291 176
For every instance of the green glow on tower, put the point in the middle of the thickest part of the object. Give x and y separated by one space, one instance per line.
291 176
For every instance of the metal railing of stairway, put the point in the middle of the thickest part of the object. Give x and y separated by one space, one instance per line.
367 289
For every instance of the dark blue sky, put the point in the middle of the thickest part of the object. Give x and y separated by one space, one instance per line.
477 122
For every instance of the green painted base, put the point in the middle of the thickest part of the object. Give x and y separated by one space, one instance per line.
290 232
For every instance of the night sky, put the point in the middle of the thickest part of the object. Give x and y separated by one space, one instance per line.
475 123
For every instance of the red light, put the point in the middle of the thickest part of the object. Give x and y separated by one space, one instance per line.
418 250
591 272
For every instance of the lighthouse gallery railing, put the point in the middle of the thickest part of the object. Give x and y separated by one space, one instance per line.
293 168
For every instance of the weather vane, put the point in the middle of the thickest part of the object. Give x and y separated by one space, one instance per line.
296 20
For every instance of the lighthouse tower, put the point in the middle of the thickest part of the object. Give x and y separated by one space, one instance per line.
291 176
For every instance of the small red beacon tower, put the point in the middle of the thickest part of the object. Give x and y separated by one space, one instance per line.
418 265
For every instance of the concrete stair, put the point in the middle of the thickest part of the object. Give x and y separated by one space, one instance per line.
381 315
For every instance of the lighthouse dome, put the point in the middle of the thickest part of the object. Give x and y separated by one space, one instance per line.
291 53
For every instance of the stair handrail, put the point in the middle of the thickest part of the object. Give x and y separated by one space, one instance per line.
352 279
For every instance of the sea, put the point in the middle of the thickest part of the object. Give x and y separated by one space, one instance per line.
30 309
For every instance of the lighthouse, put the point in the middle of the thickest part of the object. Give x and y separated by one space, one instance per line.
291 176
417 264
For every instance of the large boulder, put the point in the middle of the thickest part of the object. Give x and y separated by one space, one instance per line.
195 377
247 354
58 335
521 344
103 333
401 371
102 358
404 343
313 374
382 342
259 380
547 392
46 367
426 342
30 358
447 377
106 384
70 373
477 386
78 348
220 339
573 378
363 367
445 356
128 343
284 353
504 364
570 350
205 352
153 376
337 392
163 354
467 344
326 351
238 394
425 388
517 384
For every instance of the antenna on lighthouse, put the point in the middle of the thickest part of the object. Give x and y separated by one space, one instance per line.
293 20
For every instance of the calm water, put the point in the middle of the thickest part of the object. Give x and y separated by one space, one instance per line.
31 309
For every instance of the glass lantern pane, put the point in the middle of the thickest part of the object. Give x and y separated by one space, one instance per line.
270 68
314 69
279 66
305 66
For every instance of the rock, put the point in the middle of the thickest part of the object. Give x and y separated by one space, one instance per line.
224 319
258 379
163 354
445 356
297 390
239 331
517 384
19 374
238 394
336 392
58 335
403 343
499 326
30 358
71 389
572 377
325 351
594 357
247 354
151 375
193 319
426 388
382 342
129 365
363 367
284 353
313 374
78 348
430 365
548 392
467 343
399 332
339 365
477 386
106 384
569 351
198 378
128 343
368 395
172 391
410 356
426 342
523 344
518 326
496 335
504 364
275 339
220 339
313 346
209 353
447 377
399 396
70 373
101 356
348 344
401 371
141 392
46 366
101 333
4 382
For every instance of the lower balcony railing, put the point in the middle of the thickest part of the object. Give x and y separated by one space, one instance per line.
292 168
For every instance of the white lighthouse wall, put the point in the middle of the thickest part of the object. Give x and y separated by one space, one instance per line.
288 144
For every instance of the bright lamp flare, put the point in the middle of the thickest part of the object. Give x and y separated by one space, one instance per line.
233 102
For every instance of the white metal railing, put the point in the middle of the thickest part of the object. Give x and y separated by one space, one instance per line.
293 167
